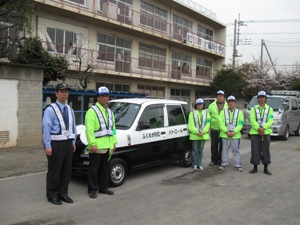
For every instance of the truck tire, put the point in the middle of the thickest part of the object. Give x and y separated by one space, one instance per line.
117 172
297 132
186 158
286 134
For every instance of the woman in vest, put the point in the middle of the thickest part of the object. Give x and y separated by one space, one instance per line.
231 124
198 125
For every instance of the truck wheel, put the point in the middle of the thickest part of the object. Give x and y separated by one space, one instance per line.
118 172
186 158
286 134
297 132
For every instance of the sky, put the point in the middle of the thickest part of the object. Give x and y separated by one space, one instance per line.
277 22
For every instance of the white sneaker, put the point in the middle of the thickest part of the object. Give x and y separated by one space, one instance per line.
201 168
222 167
239 169
195 168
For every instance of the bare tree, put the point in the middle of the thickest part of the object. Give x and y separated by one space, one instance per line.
85 75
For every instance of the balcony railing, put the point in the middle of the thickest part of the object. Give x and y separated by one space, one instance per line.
132 67
144 22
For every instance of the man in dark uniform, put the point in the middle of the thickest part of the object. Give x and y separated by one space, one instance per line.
59 132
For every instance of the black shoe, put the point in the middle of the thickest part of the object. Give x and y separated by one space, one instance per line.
253 171
66 199
108 192
93 194
267 172
55 201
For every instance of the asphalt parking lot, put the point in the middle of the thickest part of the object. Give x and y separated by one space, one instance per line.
168 194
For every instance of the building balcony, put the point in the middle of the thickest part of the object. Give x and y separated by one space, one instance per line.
127 20
119 65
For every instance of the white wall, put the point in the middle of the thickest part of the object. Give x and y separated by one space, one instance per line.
8 113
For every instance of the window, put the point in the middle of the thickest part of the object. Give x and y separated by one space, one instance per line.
152 91
153 16
152 57
204 68
79 2
113 48
181 63
124 113
62 41
120 10
294 104
153 117
180 94
181 27
205 33
114 87
175 115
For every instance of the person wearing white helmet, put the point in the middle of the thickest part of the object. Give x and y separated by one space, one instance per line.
198 125
261 120
231 124
214 110
101 136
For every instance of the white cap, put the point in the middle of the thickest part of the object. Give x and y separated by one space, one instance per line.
262 94
199 101
102 91
220 92
231 98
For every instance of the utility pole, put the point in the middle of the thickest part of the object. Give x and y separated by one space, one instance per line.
263 43
236 39
234 45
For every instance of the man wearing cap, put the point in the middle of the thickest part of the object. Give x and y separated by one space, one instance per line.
231 124
261 120
214 110
59 132
198 125
102 140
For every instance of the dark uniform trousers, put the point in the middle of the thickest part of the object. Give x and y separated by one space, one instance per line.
59 169
260 149
98 172
216 146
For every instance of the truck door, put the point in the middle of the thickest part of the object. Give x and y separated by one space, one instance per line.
150 135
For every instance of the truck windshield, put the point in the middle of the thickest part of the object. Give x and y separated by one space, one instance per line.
275 103
125 113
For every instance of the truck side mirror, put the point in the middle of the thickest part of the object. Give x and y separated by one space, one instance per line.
285 106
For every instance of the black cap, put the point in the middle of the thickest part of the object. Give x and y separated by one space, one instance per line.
62 86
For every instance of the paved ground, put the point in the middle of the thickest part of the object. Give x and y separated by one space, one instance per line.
21 161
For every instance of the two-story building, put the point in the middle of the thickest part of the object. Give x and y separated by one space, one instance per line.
166 49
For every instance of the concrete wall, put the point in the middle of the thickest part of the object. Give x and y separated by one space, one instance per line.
29 113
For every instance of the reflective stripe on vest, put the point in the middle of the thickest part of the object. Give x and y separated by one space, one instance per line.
199 128
262 121
104 129
63 134
231 126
